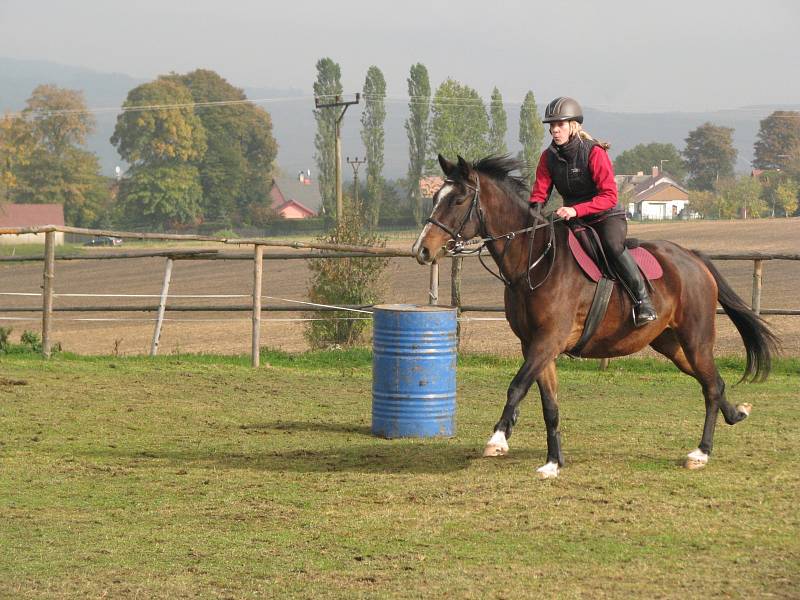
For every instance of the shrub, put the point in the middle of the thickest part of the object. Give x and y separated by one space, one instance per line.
342 281
4 343
31 341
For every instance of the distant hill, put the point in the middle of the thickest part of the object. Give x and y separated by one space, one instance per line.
294 126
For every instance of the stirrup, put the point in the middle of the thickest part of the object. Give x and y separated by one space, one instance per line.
640 320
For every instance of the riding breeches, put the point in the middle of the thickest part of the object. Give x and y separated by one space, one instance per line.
612 232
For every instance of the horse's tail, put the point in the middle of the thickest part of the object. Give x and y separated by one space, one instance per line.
760 343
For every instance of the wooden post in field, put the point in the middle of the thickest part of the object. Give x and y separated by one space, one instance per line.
757 269
47 289
162 305
258 269
604 362
433 294
455 290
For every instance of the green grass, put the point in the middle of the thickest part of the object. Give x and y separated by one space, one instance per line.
196 476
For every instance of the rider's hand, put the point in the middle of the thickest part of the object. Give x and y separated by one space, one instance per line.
567 212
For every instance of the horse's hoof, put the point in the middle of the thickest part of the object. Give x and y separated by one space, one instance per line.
547 471
696 460
495 450
497 444
744 409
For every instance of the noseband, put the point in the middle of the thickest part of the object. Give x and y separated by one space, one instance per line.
457 244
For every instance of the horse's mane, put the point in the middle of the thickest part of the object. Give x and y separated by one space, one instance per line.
500 168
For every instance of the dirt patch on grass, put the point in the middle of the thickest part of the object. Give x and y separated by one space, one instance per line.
406 281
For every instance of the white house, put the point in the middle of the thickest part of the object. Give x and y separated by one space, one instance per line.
654 196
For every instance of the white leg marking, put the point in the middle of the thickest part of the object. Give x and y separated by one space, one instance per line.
696 459
497 445
745 408
547 471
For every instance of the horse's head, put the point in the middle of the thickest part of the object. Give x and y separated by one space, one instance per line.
454 217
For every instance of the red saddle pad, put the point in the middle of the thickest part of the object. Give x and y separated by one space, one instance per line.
646 261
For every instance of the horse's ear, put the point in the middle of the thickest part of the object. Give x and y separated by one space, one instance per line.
464 167
447 166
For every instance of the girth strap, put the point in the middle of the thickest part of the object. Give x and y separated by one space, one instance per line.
597 311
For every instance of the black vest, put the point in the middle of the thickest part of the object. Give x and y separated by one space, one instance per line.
569 169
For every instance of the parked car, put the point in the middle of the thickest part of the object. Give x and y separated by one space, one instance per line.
104 240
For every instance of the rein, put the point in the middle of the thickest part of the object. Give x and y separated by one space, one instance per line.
457 245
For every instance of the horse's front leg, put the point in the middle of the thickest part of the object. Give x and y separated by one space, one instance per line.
545 374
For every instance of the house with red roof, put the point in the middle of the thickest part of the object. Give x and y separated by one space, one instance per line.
295 198
30 215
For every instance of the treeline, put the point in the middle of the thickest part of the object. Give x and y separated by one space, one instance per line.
706 167
200 154
452 120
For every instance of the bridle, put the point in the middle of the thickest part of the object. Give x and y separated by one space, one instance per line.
457 245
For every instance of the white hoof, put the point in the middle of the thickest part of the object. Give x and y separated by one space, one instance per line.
497 445
745 408
547 471
696 459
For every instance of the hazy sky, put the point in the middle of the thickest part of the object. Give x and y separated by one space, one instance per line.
625 55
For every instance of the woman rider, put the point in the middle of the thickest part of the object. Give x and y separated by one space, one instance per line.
578 166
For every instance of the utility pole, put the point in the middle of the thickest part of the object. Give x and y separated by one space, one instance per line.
338 159
355 163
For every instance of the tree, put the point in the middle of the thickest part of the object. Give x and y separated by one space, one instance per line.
47 166
158 125
236 169
704 203
531 134
709 155
16 145
643 157
372 120
58 117
419 105
459 123
780 193
741 197
499 124
778 143
327 86
159 196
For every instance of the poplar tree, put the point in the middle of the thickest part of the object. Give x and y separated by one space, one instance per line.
459 122
419 106
531 134
327 86
499 124
372 121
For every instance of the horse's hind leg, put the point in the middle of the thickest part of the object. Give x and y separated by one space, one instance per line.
697 360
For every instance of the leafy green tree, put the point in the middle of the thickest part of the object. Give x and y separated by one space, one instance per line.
643 157
459 123
704 203
499 124
236 169
372 120
741 197
709 155
16 146
49 166
158 124
531 134
778 143
327 87
780 193
419 106
162 196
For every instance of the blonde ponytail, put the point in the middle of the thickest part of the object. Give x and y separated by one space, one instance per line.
575 128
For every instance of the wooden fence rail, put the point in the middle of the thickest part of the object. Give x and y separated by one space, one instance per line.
258 256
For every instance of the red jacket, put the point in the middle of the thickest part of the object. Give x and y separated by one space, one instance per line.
602 173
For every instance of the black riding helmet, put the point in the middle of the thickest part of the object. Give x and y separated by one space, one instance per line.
563 108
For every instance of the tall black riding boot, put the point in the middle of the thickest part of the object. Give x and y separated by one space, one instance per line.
628 270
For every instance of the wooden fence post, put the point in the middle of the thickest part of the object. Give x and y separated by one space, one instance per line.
258 269
757 269
455 290
433 294
47 288
162 304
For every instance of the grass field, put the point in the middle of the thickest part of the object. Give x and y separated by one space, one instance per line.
196 476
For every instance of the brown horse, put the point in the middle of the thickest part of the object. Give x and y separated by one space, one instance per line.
547 298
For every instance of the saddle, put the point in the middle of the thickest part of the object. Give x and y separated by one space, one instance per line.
588 253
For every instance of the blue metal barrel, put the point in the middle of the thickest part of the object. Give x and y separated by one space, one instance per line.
414 371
